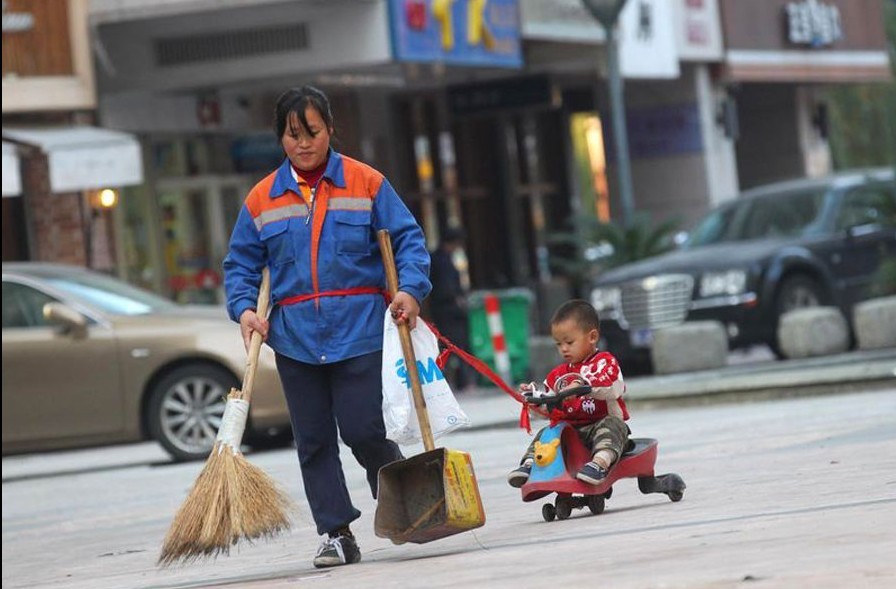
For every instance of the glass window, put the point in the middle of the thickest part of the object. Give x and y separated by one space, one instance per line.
868 205
714 228
138 241
23 306
109 294
187 244
783 215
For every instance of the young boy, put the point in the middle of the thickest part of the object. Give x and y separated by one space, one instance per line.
598 417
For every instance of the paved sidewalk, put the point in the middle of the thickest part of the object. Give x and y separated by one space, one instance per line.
489 407
859 370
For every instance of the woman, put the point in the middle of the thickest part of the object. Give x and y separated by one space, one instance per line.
313 222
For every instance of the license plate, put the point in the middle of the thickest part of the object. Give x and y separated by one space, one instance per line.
642 337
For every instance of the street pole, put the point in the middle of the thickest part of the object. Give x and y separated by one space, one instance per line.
606 12
620 132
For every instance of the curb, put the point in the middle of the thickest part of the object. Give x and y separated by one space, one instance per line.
857 371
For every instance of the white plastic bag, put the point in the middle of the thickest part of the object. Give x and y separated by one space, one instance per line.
445 415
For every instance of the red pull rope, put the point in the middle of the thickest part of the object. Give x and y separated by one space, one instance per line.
484 369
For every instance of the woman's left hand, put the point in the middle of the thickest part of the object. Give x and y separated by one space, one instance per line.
404 309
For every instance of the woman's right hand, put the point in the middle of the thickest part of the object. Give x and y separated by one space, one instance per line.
250 322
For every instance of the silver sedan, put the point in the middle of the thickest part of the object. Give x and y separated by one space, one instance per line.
89 359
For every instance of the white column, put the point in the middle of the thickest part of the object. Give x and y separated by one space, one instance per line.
814 147
718 150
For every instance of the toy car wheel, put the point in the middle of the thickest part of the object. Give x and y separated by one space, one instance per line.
596 504
564 509
548 512
675 496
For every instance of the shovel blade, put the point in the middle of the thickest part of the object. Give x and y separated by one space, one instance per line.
427 497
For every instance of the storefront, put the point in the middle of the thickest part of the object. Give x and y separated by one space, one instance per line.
74 173
492 115
61 174
204 117
779 57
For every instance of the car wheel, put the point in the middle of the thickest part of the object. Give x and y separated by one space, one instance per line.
795 292
185 409
798 292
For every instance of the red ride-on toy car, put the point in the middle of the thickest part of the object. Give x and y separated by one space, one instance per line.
559 455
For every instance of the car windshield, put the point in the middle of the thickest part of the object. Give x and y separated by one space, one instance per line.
770 216
109 294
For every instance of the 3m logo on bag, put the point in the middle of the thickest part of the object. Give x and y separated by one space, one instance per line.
429 373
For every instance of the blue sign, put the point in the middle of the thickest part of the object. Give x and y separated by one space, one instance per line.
660 131
456 32
256 153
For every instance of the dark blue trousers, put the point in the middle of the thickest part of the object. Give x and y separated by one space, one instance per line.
320 397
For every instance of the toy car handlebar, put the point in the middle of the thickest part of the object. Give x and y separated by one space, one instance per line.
551 398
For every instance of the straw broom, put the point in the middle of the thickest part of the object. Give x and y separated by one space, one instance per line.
232 499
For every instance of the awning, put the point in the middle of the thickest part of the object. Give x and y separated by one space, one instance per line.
12 177
83 158
803 66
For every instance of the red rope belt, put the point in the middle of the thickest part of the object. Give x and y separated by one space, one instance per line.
342 292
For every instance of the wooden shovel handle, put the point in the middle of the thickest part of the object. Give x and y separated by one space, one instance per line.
407 348
261 309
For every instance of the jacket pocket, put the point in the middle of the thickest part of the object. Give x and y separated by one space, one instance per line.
278 242
353 235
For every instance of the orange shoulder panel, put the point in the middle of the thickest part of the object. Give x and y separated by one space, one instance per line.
259 199
361 180
259 196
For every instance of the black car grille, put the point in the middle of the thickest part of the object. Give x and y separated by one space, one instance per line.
656 301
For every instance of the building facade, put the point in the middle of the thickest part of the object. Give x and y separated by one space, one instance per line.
60 172
492 115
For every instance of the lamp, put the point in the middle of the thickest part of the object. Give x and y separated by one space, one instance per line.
105 198
606 12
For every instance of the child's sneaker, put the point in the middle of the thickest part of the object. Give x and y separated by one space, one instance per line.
518 476
337 550
592 473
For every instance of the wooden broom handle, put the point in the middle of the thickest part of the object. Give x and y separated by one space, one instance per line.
407 348
261 309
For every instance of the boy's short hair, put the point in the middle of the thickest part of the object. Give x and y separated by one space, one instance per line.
581 311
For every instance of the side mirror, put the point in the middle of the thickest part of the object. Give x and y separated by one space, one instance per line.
67 318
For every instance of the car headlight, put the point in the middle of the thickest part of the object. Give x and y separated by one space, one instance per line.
605 298
730 282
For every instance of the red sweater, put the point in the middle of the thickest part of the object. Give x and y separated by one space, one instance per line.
601 370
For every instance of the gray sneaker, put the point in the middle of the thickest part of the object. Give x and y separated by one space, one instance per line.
337 551
518 476
592 473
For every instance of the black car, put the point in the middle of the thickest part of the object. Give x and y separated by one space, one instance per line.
771 250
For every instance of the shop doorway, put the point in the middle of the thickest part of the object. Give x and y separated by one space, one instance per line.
197 216
174 238
15 243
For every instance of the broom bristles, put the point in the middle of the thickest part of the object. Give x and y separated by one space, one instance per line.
231 500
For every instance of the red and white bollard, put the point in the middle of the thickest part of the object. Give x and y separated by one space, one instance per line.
496 329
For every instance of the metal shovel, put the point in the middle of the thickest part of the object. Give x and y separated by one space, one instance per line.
434 494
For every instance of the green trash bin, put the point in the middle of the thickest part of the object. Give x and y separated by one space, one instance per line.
515 317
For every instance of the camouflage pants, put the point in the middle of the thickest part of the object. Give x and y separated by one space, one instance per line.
610 433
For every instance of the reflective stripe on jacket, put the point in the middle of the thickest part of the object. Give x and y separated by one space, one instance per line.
327 243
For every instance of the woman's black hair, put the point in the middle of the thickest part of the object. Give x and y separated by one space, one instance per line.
297 100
